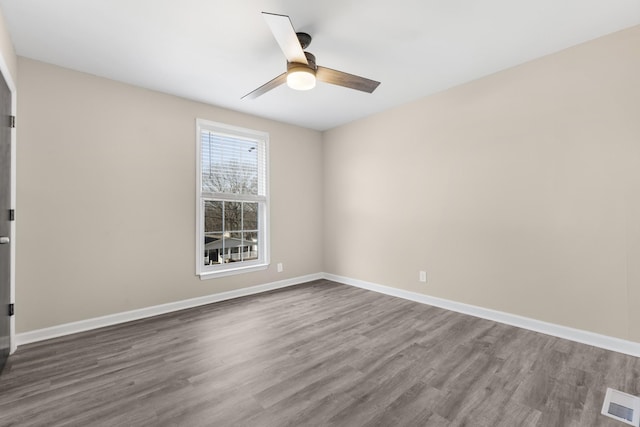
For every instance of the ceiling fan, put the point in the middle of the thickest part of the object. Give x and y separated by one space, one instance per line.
302 70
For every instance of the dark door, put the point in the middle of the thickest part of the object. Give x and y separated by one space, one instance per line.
5 205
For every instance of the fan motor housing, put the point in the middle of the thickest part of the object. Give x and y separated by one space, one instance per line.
311 59
304 39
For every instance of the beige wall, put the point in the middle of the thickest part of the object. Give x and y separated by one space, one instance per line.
106 198
6 50
517 192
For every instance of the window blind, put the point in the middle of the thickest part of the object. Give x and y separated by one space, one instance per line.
232 165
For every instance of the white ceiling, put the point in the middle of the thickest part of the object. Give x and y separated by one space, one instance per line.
216 51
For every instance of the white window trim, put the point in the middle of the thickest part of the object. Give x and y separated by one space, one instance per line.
211 272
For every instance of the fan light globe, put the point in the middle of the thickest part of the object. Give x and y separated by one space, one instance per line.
301 78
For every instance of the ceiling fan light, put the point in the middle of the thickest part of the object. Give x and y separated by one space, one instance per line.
301 78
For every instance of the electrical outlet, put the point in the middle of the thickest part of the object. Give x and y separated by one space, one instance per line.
279 267
422 276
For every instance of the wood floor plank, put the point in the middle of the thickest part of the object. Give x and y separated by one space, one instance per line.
312 355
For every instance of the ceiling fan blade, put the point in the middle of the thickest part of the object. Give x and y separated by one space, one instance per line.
272 84
351 81
285 35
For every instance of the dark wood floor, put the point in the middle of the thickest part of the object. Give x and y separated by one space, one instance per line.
316 354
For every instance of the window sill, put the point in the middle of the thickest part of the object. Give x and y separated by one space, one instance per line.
205 275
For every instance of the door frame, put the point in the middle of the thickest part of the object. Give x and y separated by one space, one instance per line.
12 232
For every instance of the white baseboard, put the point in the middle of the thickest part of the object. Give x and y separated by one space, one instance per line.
565 332
127 316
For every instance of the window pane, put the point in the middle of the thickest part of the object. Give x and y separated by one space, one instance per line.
230 231
251 246
213 216
234 247
213 248
229 165
232 216
250 215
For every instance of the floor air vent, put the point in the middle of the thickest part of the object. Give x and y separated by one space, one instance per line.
622 407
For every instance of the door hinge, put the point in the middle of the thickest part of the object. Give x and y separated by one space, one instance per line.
11 310
12 121
12 214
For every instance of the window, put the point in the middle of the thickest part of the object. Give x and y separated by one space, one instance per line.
233 200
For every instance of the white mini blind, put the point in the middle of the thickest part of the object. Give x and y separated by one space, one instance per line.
232 165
